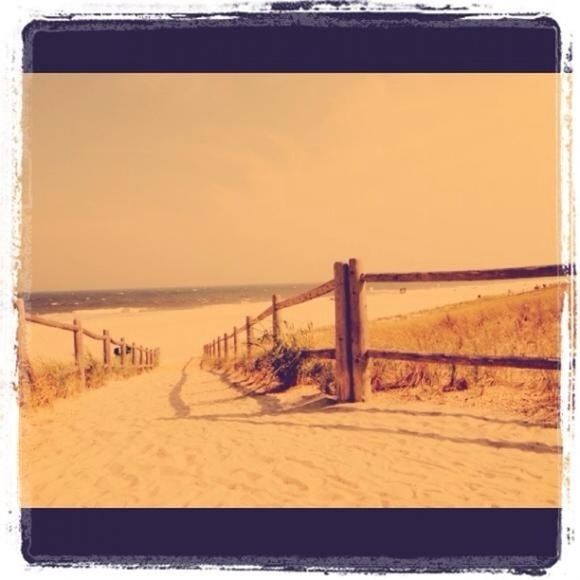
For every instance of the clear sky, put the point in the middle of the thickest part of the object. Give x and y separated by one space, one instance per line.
152 180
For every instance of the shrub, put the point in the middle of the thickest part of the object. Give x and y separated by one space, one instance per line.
282 359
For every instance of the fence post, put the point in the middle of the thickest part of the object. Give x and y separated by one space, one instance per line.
358 333
141 356
235 335
225 345
343 363
219 347
24 366
133 354
79 352
106 350
249 337
122 349
275 318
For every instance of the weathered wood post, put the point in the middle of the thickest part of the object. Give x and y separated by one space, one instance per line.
24 366
225 346
141 362
79 352
343 362
106 350
275 318
235 335
213 348
122 349
219 347
249 337
133 354
358 332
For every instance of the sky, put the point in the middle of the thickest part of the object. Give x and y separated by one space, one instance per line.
163 180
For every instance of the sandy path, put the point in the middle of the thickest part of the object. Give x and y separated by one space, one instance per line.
179 436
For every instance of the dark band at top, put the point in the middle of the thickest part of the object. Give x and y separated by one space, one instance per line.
295 42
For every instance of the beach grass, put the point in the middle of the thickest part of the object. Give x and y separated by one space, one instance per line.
526 324
56 379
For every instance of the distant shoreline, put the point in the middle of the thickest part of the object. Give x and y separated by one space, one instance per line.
156 299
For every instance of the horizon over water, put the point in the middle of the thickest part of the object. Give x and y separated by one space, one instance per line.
159 298
184 297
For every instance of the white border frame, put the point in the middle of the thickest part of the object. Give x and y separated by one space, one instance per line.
14 17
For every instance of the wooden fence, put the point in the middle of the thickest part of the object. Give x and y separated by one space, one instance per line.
130 354
351 353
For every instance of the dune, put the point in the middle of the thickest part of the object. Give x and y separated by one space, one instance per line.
180 436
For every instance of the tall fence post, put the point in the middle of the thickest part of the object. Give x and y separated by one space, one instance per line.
106 350
235 335
225 345
275 318
141 362
122 349
133 354
343 362
219 347
358 332
79 352
249 337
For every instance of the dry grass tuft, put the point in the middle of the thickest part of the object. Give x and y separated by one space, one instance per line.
526 324
55 379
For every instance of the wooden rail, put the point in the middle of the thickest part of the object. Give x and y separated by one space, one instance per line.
324 353
519 362
473 275
148 358
351 353
321 290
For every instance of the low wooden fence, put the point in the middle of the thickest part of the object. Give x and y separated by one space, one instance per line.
130 354
351 353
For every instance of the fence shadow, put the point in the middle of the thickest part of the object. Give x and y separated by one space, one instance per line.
417 413
267 404
248 418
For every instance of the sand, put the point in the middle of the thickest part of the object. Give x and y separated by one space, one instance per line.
180 436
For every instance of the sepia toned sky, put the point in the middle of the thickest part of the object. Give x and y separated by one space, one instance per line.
154 180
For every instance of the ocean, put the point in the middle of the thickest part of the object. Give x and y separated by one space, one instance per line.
191 297
156 298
